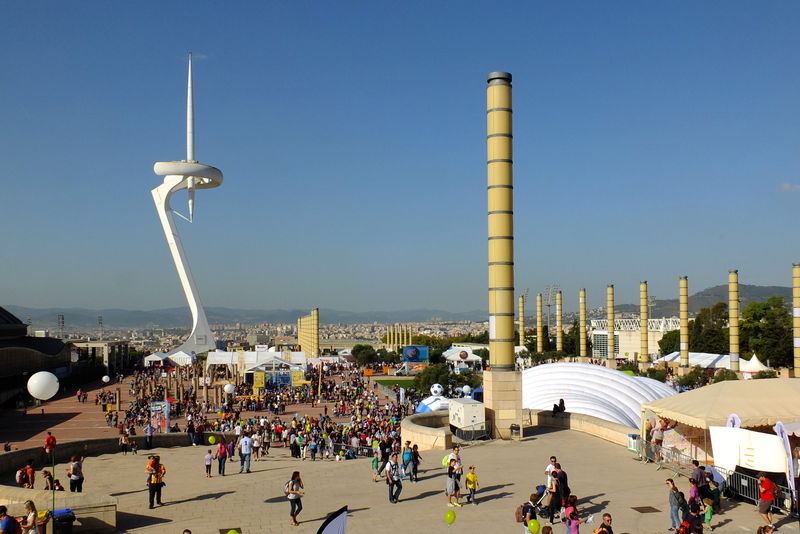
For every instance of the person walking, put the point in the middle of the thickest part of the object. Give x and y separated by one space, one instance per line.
416 459
407 459
294 492
393 481
29 524
605 526
124 442
766 495
75 474
148 433
245 450
472 485
155 480
221 456
674 506
207 461
452 489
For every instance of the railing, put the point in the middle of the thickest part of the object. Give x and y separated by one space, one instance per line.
735 484
471 433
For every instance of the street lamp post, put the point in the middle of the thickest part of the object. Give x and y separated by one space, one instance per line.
44 386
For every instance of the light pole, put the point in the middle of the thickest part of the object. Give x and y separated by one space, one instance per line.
43 386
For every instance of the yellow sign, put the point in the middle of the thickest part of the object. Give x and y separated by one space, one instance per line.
298 378
258 379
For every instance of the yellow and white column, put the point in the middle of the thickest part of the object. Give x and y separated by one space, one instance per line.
582 323
610 319
539 325
683 303
733 318
522 320
644 319
502 384
559 323
796 317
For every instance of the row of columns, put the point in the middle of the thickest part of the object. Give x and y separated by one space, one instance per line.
398 335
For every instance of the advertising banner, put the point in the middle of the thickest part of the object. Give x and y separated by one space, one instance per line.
258 379
415 353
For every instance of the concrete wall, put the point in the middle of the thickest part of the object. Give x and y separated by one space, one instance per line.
429 431
613 432
95 512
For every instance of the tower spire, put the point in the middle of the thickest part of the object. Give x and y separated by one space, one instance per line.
189 116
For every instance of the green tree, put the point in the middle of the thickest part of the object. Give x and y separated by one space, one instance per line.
364 354
725 374
695 378
707 333
766 329
670 342
441 374
656 373
765 374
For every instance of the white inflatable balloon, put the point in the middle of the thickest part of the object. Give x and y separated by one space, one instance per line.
230 389
43 385
106 379
466 389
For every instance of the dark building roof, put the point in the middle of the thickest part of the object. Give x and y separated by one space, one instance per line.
49 346
10 325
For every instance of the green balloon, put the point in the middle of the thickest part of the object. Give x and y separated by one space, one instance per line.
450 517
534 526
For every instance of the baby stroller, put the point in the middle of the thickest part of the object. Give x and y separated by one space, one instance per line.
541 494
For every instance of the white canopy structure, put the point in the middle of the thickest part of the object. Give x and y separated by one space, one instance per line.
156 357
453 355
590 390
182 358
703 359
751 367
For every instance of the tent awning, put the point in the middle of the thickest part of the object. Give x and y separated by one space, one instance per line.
756 402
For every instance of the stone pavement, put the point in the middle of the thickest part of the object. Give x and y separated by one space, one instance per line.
603 475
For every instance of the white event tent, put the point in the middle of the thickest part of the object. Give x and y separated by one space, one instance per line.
703 359
751 367
590 390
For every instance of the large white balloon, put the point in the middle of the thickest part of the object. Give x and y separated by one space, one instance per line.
466 389
43 385
230 389
106 379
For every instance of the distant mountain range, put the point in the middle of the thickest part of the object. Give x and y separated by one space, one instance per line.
179 317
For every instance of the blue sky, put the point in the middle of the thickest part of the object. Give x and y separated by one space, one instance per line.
652 140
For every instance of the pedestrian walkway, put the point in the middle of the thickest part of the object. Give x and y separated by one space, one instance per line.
603 475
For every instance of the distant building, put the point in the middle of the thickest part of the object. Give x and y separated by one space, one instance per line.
257 339
627 336
113 355
22 355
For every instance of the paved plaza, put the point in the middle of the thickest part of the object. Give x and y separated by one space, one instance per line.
603 475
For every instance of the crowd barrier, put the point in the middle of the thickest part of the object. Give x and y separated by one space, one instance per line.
735 484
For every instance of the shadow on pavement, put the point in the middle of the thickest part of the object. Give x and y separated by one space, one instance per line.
18 427
127 520
204 497
485 498
423 495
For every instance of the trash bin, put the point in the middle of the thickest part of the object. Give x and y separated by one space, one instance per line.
514 430
62 523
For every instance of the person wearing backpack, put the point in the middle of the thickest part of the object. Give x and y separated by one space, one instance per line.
295 490
526 511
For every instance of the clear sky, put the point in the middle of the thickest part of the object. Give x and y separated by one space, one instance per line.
651 140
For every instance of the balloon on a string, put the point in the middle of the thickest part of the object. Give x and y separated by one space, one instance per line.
450 517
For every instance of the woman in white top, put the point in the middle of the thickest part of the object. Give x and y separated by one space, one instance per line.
29 525
295 491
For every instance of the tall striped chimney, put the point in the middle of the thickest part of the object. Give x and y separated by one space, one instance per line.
539 325
582 324
683 298
559 324
644 316
610 317
501 221
733 318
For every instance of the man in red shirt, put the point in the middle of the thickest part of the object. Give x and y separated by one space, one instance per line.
49 443
766 494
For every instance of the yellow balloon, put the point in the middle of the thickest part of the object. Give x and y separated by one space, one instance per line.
212 440
450 517
534 526
231 531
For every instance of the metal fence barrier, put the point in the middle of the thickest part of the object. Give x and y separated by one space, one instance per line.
735 484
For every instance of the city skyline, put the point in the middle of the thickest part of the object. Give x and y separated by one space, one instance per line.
650 142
